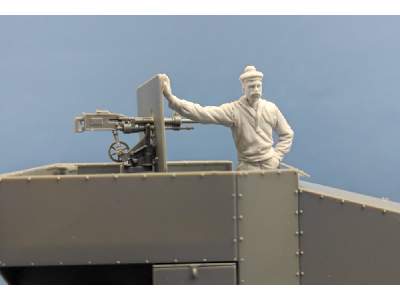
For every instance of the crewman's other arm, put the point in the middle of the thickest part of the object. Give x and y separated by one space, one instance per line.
285 134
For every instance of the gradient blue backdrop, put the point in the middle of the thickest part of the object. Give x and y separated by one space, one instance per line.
336 79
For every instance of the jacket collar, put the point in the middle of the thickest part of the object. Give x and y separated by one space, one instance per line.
254 113
245 104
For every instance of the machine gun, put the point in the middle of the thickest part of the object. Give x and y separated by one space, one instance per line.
141 157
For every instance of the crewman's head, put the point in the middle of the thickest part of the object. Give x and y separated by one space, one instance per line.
251 83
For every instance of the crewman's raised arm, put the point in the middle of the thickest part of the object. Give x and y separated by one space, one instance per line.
223 114
204 114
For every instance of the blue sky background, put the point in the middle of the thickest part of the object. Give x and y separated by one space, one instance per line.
335 78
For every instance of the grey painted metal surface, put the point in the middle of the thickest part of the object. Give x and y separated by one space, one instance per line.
192 166
150 104
126 218
115 168
267 225
52 169
383 203
109 168
49 216
348 238
217 273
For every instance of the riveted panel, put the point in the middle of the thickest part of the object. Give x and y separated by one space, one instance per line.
217 273
267 226
106 219
346 241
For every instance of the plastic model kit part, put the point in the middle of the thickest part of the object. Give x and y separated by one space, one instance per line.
348 238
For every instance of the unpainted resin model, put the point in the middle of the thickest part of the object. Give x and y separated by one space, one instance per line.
142 219
251 119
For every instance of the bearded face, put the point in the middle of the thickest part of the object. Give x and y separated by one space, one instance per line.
252 90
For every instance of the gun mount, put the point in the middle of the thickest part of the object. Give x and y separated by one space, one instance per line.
141 157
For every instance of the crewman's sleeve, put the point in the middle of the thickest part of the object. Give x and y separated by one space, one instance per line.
285 134
223 114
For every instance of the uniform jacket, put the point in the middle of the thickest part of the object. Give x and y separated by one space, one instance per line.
251 128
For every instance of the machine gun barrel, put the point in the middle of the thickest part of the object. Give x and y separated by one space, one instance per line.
104 120
175 121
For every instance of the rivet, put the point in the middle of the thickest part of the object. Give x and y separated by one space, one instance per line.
87 178
301 273
89 262
58 178
241 217
235 258
242 281
204 259
301 232
115 177
234 218
297 273
233 195
296 192
279 172
321 196
263 173
301 212
147 261
301 252
173 175
363 206
297 253
175 260
342 201
242 259
144 176
60 263
300 191
32 263
384 211
1 179
240 195
241 238
235 240
118 262
29 179
202 175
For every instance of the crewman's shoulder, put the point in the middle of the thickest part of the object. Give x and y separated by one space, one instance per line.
232 103
268 104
